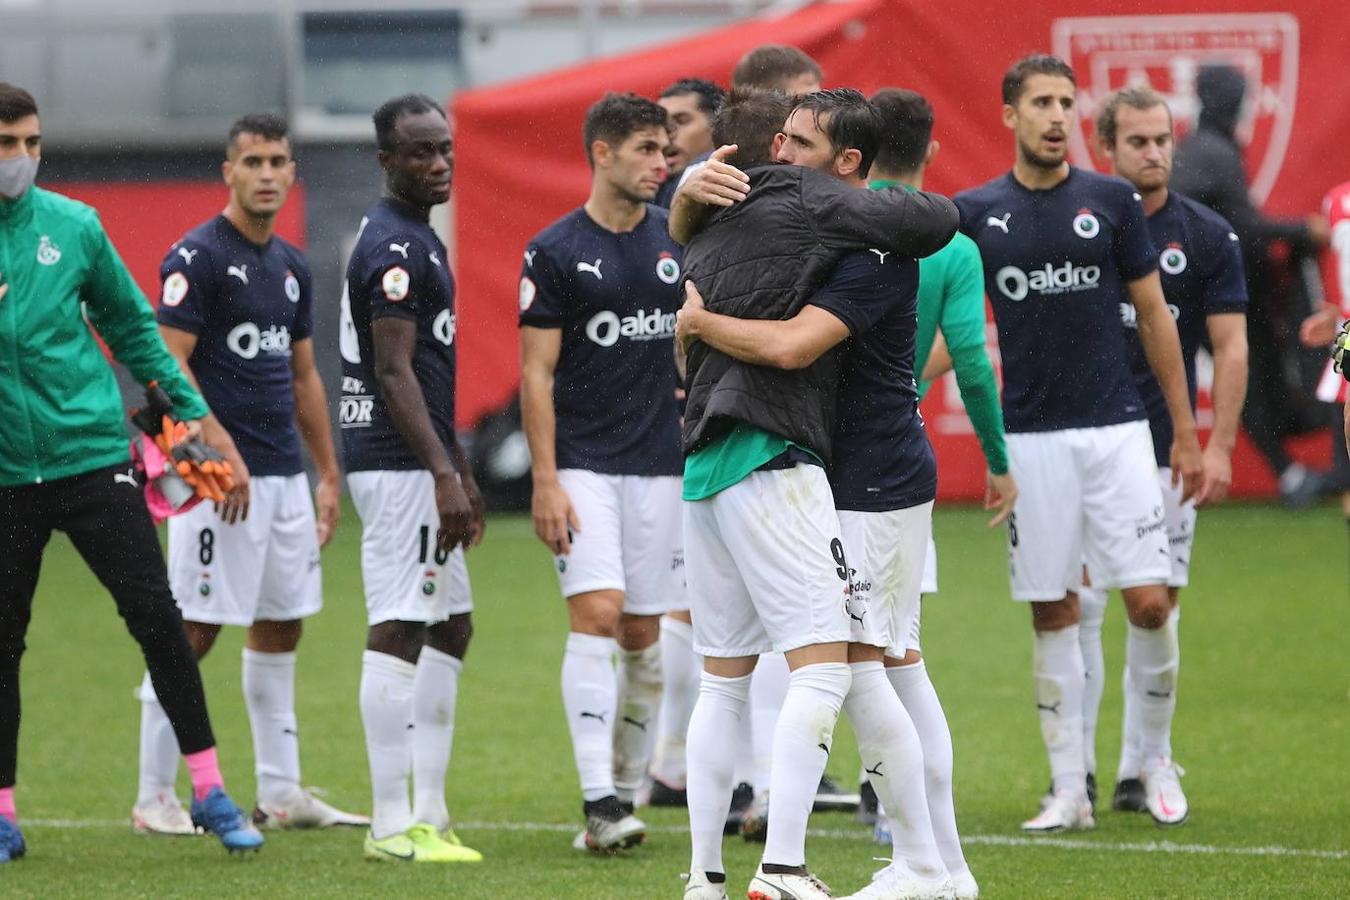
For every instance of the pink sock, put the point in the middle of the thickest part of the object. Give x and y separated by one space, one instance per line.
7 805
204 770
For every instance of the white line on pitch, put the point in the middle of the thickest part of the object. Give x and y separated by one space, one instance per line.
988 840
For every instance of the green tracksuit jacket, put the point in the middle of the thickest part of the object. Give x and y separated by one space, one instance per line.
60 410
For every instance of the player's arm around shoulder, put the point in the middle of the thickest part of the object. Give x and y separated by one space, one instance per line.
716 183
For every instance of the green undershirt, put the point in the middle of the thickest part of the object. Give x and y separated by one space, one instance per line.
729 459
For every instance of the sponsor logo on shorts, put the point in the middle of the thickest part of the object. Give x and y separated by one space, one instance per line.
1150 523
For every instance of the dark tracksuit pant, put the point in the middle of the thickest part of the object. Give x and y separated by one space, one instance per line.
104 514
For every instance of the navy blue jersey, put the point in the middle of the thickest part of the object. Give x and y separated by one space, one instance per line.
1055 267
397 269
246 303
614 296
882 458
1200 262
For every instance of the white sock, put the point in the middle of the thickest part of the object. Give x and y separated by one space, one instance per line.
435 690
916 692
590 698
639 699
720 707
269 694
1131 756
1059 700
768 689
159 748
1092 602
386 713
1153 661
801 748
680 668
893 759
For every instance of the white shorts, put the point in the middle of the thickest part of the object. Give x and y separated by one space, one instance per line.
885 552
264 568
1085 494
630 540
406 578
766 565
929 584
1180 529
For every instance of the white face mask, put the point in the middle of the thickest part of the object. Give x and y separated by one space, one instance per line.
17 175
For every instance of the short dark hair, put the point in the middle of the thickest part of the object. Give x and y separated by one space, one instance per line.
1140 97
908 129
267 126
771 67
751 120
1035 64
390 111
15 103
850 122
710 96
614 117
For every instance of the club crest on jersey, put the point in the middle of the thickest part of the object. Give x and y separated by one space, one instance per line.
1166 52
527 294
1173 259
667 268
292 287
175 289
48 254
1085 225
395 283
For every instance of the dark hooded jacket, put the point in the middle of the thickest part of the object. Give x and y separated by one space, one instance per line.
763 259
1208 167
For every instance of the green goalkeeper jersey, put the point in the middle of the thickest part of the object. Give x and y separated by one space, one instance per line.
60 406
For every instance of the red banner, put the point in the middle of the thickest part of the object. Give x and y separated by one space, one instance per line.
521 163
144 219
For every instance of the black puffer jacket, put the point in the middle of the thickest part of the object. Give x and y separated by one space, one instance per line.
763 259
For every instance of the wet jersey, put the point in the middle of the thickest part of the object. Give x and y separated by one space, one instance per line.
397 269
614 297
246 303
1200 263
1056 263
882 458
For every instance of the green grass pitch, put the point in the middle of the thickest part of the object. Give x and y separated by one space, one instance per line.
1263 729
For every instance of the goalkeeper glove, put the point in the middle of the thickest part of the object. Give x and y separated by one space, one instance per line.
204 469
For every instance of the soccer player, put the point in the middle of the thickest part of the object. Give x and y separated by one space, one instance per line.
1319 329
64 463
598 296
411 483
951 302
1063 248
1200 263
690 104
235 311
742 475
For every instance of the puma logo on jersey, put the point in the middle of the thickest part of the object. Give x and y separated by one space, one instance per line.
188 255
240 272
401 249
435 260
128 478
1001 222
593 268
881 257
529 257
